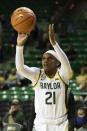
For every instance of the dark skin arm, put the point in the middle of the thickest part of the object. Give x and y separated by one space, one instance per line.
52 35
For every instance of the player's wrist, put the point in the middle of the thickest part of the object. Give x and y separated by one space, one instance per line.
20 44
10 114
53 43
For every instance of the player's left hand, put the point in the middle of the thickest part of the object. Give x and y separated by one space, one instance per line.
52 35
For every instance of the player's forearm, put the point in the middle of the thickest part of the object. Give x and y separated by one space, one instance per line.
30 73
19 58
61 55
62 58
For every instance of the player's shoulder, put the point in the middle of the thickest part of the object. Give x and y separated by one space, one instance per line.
35 69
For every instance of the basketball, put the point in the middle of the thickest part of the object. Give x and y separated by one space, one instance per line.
23 20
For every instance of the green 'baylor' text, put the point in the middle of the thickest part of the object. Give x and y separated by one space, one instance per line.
49 85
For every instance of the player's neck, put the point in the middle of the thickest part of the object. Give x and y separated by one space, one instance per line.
51 74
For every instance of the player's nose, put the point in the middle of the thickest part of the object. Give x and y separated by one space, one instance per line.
45 61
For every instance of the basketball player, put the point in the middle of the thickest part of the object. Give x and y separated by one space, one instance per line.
50 84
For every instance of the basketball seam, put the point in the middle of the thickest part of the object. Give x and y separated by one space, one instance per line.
32 20
23 21
21 13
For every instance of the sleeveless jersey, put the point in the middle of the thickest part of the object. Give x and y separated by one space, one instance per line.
50 96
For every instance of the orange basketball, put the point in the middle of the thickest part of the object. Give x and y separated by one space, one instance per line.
23 20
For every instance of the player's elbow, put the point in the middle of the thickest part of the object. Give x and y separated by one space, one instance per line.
19 68
68 72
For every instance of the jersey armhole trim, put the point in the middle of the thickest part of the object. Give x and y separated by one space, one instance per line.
38 78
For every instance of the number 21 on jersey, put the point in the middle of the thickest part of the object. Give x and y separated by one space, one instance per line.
50 95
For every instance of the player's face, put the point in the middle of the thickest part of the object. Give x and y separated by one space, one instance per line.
49 62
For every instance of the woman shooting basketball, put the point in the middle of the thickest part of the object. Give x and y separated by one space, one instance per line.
50 84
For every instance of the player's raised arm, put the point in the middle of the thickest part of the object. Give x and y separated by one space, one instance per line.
30 73
65 69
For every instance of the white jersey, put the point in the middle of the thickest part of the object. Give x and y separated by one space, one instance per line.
50 94
50 97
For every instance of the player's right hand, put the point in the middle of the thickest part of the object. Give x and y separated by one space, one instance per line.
21 39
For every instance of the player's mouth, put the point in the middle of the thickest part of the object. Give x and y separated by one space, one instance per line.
45 64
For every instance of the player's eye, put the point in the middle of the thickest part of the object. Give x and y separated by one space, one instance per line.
43 58
50 58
